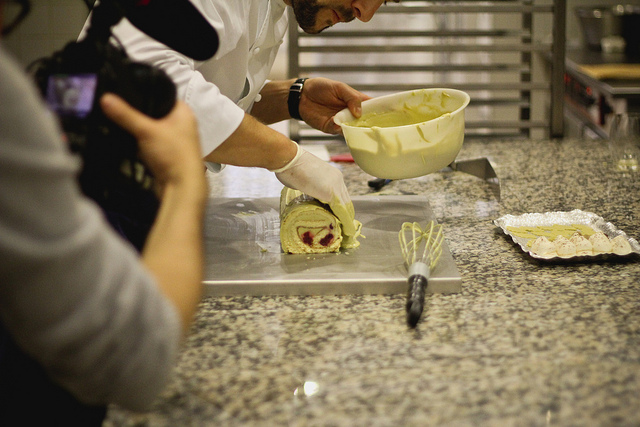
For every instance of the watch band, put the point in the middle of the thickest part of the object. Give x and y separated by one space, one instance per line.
295 92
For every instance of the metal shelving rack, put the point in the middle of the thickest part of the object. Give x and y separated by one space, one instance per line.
501 52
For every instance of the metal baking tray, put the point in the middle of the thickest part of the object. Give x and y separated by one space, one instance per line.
243 254
575 216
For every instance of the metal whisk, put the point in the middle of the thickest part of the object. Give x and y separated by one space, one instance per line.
421 250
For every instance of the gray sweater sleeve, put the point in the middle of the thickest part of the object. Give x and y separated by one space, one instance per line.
72 294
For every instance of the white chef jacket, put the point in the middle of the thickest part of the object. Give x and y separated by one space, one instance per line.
220 89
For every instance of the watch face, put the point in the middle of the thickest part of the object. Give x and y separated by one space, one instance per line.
297 85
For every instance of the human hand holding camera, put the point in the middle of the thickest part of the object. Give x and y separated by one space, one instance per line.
168 146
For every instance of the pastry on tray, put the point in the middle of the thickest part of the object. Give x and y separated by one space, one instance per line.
309 226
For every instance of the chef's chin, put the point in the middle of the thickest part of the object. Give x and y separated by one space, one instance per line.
306 12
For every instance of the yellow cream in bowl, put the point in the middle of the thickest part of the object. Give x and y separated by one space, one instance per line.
407 134
401 117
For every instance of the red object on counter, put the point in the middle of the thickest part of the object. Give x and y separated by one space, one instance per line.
347 158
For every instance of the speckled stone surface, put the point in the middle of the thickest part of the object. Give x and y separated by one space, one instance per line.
526 342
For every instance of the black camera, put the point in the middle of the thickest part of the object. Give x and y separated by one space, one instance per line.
72 82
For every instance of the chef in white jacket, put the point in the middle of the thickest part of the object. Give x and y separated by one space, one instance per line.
234 102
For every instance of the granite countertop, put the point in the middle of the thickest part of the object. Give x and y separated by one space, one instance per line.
526 342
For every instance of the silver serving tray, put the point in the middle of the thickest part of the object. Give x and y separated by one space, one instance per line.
575 216
243 254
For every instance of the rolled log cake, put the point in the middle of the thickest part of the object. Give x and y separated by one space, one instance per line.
307 225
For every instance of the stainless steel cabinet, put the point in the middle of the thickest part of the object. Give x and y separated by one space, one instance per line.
497 51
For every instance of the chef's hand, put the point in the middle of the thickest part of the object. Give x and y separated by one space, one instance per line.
317 178
322 98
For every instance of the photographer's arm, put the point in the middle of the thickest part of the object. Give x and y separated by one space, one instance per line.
173 251
74 295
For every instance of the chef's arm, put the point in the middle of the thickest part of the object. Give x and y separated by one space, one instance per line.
254 144
320 100
272 107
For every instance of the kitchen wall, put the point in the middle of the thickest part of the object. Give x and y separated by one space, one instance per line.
52 23
48 27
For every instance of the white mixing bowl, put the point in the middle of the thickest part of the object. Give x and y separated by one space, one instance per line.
406 134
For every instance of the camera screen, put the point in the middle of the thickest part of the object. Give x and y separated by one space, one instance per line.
71 95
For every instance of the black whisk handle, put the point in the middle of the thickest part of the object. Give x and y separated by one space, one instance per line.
415 298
